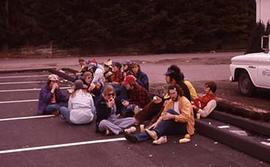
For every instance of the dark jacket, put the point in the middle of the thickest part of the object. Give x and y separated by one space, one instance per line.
103 111
45 96
142 79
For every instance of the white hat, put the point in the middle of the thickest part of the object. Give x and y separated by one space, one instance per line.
53 77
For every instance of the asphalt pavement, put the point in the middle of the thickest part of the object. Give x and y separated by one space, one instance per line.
29 140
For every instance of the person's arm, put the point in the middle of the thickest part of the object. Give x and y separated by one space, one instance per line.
186 111
45 95
211 105
144 81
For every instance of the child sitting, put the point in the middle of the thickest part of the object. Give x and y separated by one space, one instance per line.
204 105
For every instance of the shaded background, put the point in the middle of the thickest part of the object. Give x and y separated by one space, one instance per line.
152 26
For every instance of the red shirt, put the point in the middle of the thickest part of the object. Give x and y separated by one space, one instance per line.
202 101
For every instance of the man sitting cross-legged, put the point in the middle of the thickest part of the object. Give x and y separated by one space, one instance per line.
176 119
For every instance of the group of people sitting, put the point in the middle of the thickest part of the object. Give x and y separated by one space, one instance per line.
117 97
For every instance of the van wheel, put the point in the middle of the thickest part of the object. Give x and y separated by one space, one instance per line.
245 84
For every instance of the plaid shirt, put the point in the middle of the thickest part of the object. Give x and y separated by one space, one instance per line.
139 96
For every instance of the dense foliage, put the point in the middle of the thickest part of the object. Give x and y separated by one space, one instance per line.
128 25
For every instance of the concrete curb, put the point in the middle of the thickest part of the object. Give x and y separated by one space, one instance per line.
243 110
61 74
241 143
25 70
244 123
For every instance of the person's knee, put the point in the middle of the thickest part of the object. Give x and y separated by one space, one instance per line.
103 124
63 109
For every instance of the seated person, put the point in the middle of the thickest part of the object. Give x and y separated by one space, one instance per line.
93 88
117 77
176 119
141 77
153 109
177 70
204 105
108 111
136 94
81 107
51 98
172 76
108 70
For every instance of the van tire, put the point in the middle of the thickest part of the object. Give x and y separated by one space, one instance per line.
245 85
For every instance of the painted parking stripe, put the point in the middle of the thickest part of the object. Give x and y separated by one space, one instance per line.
26 90
18 101
61 145
23 76
25 82
26 118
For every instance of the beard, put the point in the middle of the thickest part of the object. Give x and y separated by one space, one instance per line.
175 99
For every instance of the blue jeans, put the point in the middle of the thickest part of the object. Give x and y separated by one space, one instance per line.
65 112
52 108
168 127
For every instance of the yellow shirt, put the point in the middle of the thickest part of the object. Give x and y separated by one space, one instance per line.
186 113
191 89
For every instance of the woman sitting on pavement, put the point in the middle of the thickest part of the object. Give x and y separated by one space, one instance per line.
108 111
81 109
93 88
205 104
118 76
141 77
176 119
51 98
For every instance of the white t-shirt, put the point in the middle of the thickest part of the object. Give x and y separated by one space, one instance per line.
176 107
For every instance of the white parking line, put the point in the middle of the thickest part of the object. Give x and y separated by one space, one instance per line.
18 101
23 76
24 118
24 82
25 90
61 145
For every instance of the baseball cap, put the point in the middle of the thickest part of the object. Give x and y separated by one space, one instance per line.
53 77
130 79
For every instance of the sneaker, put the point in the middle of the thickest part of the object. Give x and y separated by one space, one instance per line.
161 140
187 136
152 134
184 140
130 138
132 129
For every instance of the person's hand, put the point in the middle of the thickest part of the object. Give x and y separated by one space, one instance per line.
195 108
165 102
157 99
125 103
168 116
54 87
110 102
91 87
154 125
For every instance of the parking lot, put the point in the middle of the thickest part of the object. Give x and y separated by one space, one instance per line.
29 140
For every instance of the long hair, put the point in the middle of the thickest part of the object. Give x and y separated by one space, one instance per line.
178 76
